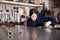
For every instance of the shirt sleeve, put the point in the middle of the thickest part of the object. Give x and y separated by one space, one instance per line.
52 20
46 19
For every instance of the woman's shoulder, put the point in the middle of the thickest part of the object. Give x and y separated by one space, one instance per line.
29 20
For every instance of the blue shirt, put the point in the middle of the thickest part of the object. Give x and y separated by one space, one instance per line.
40 21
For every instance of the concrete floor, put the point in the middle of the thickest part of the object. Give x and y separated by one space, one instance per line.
43 34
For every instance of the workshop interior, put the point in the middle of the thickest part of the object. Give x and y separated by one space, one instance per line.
14 14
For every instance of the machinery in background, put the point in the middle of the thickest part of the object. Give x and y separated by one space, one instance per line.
22 19
9 14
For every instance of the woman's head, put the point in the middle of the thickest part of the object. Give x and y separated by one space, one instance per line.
33 14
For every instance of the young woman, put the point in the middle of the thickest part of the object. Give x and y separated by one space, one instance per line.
35 20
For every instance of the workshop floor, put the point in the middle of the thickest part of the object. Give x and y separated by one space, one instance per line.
43 34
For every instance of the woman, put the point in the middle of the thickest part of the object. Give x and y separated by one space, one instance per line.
35 20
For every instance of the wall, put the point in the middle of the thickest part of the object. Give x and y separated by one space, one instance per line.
56 10
46 3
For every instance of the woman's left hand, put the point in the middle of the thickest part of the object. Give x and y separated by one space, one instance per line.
47 24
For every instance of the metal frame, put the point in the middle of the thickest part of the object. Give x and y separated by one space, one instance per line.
21 4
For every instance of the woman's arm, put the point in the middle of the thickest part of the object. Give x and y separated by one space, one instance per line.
47 20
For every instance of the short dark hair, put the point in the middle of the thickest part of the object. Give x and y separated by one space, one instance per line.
33 10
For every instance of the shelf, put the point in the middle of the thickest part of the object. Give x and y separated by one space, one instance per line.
20 4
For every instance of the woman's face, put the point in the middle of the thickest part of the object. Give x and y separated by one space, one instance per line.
34 16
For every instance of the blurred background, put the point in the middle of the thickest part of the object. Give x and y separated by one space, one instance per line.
13 14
